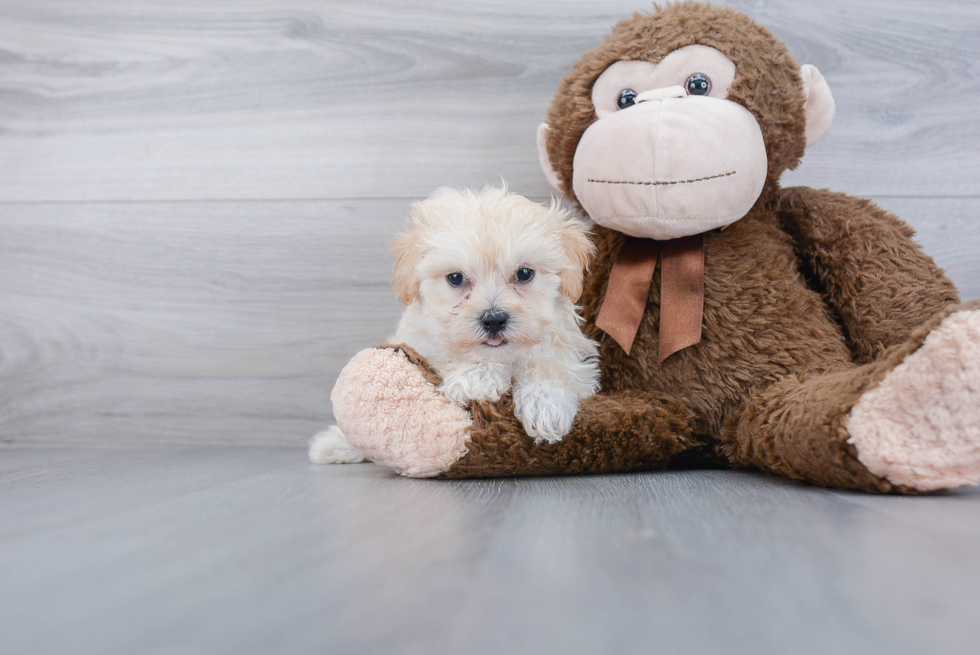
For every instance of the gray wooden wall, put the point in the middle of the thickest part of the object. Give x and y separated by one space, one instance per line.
196 197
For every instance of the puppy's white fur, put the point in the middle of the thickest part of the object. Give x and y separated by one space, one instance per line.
487 237
331 447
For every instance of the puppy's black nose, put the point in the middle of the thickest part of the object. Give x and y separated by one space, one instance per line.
494 321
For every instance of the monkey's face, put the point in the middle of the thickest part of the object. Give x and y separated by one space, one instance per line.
669 156
680 121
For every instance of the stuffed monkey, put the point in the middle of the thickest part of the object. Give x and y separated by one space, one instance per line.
795 331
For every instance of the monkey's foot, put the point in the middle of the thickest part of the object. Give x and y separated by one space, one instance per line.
390 411
920 427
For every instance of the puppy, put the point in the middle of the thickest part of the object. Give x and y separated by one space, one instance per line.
489 281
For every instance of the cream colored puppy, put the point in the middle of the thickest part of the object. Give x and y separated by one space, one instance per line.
489 281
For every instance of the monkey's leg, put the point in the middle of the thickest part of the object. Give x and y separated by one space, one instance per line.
387 404
909 422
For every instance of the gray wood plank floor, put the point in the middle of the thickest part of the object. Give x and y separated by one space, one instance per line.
195 202
249 550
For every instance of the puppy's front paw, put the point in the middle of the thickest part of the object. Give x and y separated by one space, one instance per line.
484 382
546 410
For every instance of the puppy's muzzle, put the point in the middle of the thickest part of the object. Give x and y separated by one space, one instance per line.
494 321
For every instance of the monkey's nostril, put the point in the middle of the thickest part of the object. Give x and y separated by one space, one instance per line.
494 321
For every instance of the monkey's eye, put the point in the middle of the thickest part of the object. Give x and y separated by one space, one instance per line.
524 275
456 279
626 98
698 85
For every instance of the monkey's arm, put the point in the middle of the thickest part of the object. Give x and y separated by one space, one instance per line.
880 282
612 432
387 403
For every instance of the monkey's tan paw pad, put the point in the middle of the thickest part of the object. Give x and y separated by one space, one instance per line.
921 426
392 414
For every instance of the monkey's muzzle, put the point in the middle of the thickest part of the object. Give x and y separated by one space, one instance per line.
670 167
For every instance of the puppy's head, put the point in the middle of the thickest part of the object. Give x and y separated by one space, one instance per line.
495 271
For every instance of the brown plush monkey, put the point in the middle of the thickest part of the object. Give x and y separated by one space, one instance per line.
796 331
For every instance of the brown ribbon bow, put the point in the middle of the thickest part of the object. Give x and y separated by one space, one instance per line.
681 292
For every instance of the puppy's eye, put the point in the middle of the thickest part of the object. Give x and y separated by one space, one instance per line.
523 275
456 279
698 85
626 98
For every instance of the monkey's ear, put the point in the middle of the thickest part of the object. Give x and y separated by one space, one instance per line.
407 255
820 106
549 170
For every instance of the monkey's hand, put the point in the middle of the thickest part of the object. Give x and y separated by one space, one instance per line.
388 405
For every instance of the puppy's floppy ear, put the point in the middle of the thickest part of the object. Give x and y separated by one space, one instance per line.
574 237
407 251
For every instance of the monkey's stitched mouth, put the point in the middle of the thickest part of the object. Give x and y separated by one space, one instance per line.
699 179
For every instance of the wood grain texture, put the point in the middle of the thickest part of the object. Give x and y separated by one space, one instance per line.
187 321
247 551
195 201
227 322
263 99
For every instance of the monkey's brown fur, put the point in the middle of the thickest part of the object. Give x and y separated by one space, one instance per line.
809 301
